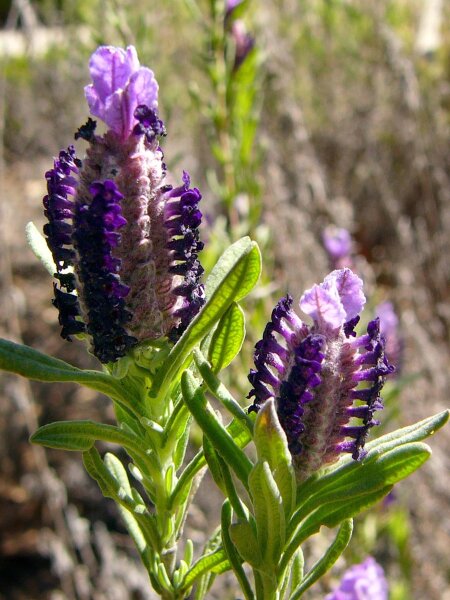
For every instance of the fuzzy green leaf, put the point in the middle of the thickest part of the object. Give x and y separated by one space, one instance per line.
216 562
213 429
246 542
327 561
233 556
81 436
269 514
25 361
227 338
271 446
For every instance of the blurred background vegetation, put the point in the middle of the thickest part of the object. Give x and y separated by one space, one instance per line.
338 115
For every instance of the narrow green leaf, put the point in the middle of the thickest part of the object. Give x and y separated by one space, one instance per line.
212 460
81 436
246 542
367 477
412 433
233 557
23 360
227 338
213 429
117 470
271 446
112 488
269 514
213 561
232 278
331 515
219 391
327 561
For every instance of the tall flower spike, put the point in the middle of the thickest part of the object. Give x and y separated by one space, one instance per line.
130 238
317 373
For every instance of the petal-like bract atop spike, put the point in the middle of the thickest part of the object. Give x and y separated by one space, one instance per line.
119 86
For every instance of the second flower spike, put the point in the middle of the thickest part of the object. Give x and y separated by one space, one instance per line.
125 243
322 375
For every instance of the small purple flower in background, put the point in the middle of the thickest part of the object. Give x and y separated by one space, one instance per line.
339 245
243 41
365 581
390 328
317 373
123 239
230 6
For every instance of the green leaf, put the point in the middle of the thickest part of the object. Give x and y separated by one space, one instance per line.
233 557
38 245
327 561
271 446
115 467
219 391
81 436
269 513
112 488
232 278
227 338
23 360
215 561
213 429
317 484
367 477
212 460
331 515
246 542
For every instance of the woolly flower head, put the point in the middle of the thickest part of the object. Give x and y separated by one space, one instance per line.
124 241
322 375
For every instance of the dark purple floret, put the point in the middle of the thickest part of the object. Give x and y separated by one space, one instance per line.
61 183
86 131
349 327
95 235
69 309
379 369
295 390
182 219
148 123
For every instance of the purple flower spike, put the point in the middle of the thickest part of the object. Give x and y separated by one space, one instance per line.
316 373
131 239
365 581
119 86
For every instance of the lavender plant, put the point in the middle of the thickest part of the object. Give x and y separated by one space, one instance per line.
123 246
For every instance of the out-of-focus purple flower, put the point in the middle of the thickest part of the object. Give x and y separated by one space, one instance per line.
244 42
390 328
131 240
339 244
365 581
314 372
119 86
230 5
